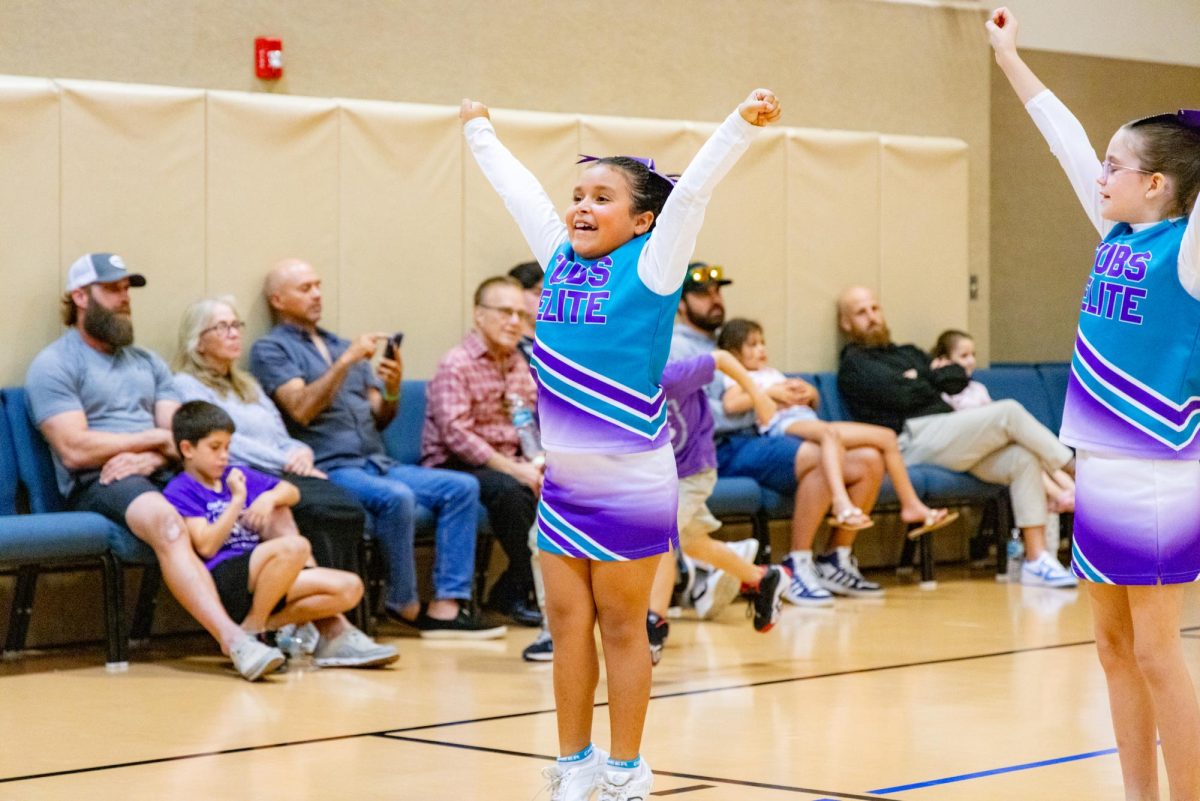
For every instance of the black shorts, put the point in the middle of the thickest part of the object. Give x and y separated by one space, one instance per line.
112 500
232 578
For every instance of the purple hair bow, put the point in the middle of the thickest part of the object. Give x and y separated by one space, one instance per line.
1189 117
645 162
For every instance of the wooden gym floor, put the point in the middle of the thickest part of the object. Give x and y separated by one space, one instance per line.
976 690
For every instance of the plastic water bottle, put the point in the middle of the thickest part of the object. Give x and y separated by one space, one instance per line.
1016 555
527 429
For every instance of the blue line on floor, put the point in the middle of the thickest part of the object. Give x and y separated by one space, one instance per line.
900 788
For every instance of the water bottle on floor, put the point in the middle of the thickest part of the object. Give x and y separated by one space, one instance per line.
1016 556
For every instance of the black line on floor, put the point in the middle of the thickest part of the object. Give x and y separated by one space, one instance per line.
673 774
392 732
689 789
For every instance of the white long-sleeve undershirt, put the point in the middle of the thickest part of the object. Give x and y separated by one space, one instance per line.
1069 144
663 261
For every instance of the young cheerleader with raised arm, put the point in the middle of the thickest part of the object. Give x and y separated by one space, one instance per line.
1131 415
614 272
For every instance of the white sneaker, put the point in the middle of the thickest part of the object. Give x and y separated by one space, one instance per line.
575 781
1045 571
626 785
844 578
254 659
716 594
746 549
805 588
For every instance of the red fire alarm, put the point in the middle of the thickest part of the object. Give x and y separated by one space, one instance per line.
268 58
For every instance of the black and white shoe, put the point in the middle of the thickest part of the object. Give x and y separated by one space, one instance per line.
844 578
767 602
541 649
657 629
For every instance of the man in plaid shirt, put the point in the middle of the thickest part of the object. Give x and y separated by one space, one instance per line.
468 427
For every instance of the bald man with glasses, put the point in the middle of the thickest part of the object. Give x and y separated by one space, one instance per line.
469 427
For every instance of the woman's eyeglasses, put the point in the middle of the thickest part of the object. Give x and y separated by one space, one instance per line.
1107 168
223 328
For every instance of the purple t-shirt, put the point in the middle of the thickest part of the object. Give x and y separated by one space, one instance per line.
192 499
688 415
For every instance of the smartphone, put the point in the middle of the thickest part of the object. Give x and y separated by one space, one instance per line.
393 345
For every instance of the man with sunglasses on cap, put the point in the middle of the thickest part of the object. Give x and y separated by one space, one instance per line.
469 426
105 406
787 465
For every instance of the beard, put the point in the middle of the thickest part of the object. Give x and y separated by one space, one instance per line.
872 337
705 322
114 329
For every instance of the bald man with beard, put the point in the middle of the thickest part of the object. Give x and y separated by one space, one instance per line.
898 386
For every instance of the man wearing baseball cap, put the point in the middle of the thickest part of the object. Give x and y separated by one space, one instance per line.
786 465
105 406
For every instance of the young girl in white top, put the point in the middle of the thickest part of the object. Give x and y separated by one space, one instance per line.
958 347
607 512
1131 413
745 340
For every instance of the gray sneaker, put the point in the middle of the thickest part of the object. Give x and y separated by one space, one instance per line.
353 649
254 659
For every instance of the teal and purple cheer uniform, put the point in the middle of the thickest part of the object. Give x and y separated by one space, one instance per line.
603 334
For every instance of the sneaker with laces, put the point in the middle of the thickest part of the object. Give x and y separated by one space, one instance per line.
657 629
1045 571
353 649
716 594
254 659
844 578
625 785
575 781
805 588
747 549
767 601
465 626
541 649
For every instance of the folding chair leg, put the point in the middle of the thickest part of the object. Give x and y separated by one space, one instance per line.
483 559
117 657
22 609
147 603
928 582
761 526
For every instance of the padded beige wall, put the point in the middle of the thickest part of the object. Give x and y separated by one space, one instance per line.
917 69
204 191
1041 240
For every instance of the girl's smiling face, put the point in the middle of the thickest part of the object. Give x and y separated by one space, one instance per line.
963 354
601 217
753 353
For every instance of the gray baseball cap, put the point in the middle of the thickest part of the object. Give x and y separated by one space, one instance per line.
100 268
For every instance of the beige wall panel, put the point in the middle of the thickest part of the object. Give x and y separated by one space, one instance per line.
401 226
833 235
745 229
272 194
133 184
923 237
548 145
29 220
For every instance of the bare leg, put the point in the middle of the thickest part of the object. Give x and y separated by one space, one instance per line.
156 523
833 456
664 585
571 614
622 594
274 566
1129 696
864 471
854 435
1156 616
319 595
1060 489
722 557
812 497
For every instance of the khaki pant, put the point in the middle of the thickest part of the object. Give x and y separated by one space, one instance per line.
1000 443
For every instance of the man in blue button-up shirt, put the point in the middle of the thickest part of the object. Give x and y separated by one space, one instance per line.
333 401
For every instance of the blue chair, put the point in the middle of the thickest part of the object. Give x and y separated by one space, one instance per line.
737 499
53 541
1022 384
1054 381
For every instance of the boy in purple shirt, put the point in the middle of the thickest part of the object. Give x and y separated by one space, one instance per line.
691 424
240 523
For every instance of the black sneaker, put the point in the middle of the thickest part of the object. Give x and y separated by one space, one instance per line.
541 649
767 603
657 629
465 626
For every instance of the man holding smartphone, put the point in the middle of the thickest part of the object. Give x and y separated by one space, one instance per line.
333 401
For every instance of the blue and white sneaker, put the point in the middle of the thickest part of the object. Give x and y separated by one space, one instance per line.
805 587
843 578
1045 571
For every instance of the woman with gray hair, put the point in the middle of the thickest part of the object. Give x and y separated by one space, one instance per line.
210 343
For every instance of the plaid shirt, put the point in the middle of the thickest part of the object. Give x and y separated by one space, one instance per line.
466 406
